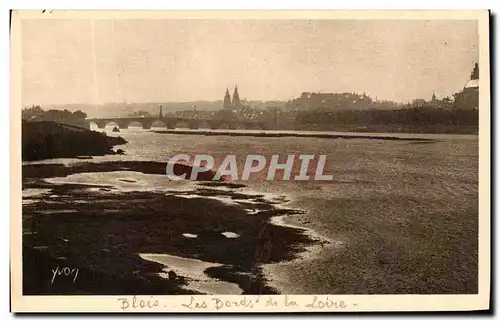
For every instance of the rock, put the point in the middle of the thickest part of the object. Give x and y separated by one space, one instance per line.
172 275
120 151
49 140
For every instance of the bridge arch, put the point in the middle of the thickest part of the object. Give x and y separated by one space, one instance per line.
122 124
227 126
110 124
254 126
206 125
159 123
101 124
184 124
145 124
240 126
93 125
135 124
194 124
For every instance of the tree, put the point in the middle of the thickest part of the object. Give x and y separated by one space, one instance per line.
37 113
79 114
31 112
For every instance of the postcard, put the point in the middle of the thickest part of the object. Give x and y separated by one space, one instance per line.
250 161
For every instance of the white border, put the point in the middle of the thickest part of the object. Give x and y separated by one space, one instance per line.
145 4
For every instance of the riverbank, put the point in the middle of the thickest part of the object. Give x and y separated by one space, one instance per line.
200 238
47 140
271 134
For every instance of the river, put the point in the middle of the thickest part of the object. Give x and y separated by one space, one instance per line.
398 216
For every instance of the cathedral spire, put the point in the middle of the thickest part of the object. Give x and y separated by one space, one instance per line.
236 97
227 100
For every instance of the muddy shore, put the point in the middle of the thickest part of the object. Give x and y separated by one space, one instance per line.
101 232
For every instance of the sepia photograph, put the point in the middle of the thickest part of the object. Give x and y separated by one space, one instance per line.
246 160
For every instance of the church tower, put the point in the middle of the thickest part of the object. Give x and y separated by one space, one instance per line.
236 98
227 100
475 72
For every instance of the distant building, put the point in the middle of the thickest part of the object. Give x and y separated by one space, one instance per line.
332 101
475 72
468 98
434 101
419 102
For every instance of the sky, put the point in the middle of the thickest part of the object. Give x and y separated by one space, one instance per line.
126 60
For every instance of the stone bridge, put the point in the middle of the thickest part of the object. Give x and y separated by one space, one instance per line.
176 122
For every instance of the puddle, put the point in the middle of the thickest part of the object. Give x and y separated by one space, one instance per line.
56 211
29 201
190 196
194 271
122 181
128 180
188 235
252 211
32 195
34 192
40 247
229 234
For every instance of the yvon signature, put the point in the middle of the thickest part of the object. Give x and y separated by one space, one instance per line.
65 271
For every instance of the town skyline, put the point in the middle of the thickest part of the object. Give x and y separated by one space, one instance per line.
243 99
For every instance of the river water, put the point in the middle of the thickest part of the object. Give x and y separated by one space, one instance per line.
399 216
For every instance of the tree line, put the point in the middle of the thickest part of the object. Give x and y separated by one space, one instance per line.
419 116
36 113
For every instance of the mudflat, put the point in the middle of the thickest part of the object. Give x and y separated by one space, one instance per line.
106 235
